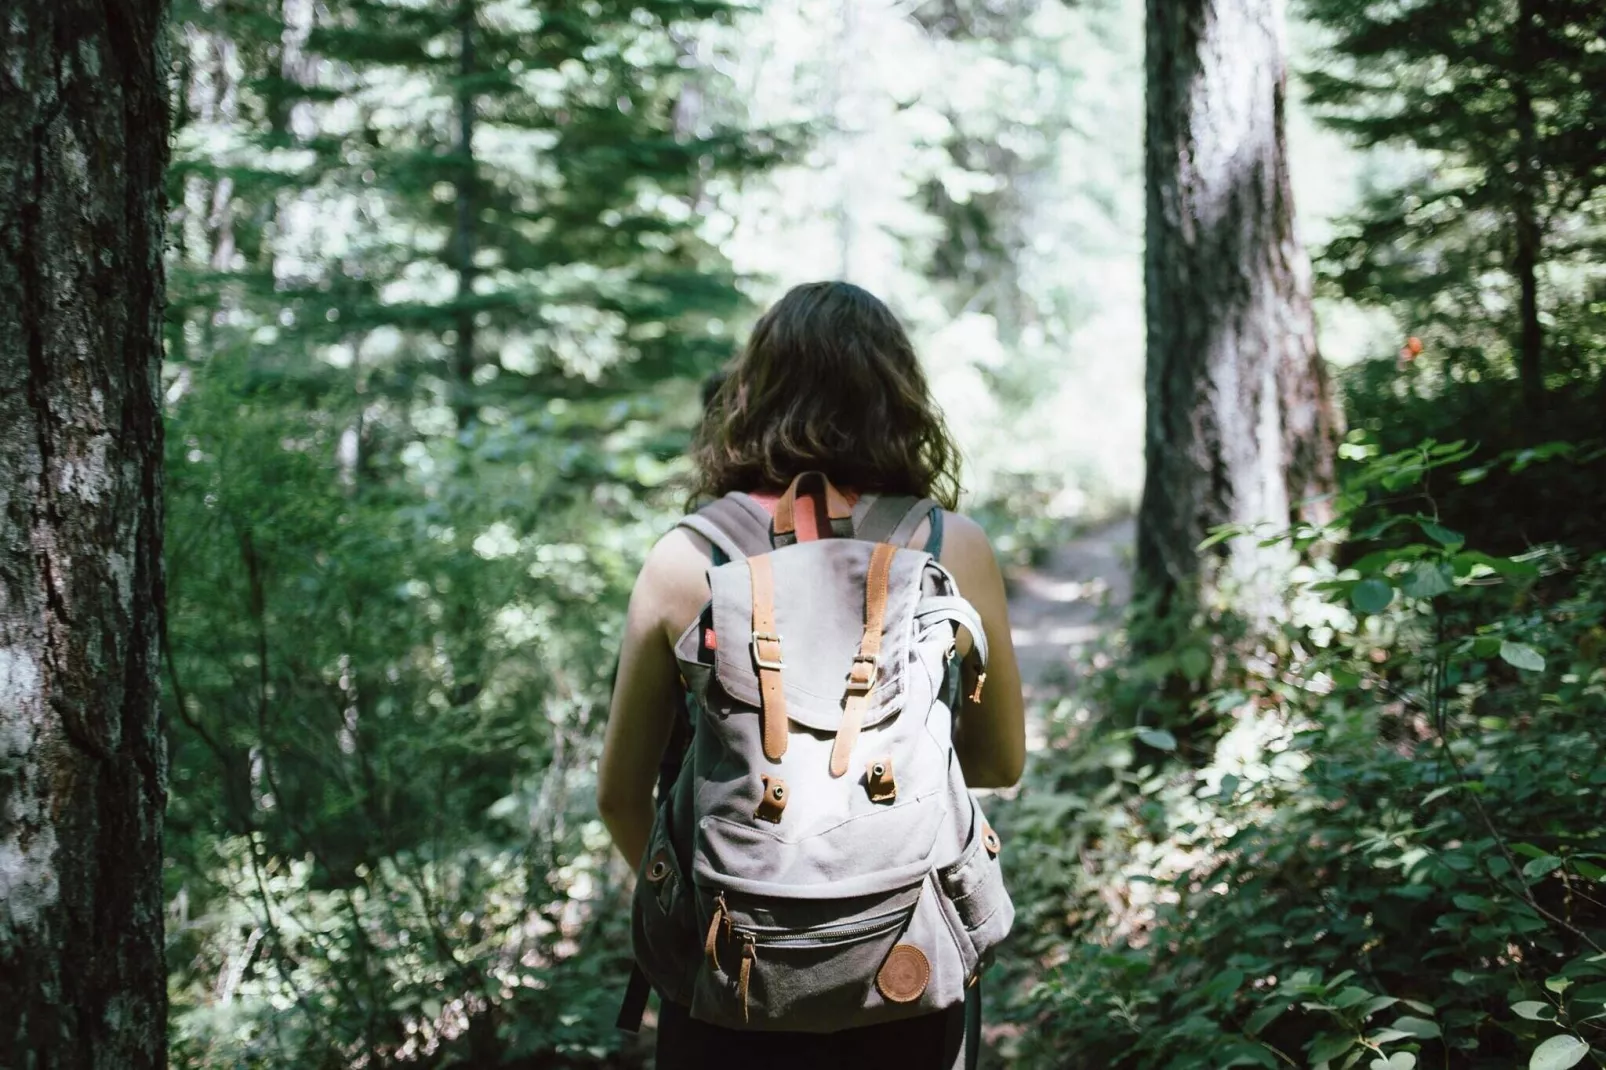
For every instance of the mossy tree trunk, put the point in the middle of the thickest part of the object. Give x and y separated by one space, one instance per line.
83 143
1239 426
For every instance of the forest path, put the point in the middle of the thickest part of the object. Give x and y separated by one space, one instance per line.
1059 609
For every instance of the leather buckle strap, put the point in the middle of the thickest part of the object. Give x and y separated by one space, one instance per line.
766 647
862 676
774 663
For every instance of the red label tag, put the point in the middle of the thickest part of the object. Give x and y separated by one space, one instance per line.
709 642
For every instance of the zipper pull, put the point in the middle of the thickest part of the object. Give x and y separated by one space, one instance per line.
711 941
975 695
746 972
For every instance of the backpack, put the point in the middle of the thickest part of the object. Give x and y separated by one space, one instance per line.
817 863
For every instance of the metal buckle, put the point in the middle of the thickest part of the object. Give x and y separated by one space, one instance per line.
864 686
764 663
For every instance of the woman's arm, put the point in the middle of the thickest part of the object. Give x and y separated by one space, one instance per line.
642 712
991 742
668 593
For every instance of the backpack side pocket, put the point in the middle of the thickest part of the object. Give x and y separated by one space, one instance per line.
973 886
663 935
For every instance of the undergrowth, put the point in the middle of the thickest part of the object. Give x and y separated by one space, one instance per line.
1395 853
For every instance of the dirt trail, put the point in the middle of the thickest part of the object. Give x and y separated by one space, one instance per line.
1059 608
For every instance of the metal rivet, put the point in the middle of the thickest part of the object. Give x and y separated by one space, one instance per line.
989 840
879 770
779 792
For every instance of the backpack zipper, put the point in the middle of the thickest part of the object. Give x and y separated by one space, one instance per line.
824 936
781 939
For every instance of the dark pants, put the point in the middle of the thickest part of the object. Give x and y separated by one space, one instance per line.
929 1042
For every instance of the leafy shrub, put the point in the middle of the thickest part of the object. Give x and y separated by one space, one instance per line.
1495 495
1395 853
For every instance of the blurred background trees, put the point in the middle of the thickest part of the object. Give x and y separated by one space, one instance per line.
444 276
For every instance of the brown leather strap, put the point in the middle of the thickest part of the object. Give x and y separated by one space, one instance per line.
745 974
766 645
837 509
711 941
862 677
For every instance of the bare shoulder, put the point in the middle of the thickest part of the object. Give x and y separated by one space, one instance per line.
673 584
966 550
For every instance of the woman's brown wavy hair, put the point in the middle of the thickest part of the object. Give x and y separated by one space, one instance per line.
828 381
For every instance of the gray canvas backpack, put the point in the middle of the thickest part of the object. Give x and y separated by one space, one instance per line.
817 863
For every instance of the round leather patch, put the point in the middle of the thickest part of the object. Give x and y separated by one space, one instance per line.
904 975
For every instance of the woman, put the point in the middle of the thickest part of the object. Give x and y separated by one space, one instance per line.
828 382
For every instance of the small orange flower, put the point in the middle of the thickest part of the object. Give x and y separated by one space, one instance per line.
1414 345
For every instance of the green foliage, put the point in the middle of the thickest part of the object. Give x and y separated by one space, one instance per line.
412 466
1486 115
1394 854
1532 480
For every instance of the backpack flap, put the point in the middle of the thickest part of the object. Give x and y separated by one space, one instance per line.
819 613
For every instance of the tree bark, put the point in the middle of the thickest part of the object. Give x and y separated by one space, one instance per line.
83 144
464 242
1239 428
1525 262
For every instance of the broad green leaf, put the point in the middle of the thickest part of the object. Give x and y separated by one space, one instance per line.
1194 662
1264 1017
1329 1046
1558 985
1158 738
1505 566
1427 580
1245 1054
1225 983
1371 595
1522 656
1351 997
1387 1036
1418 1027
1541 866
1453 540
1418 1006
1400 1060
1590 871
1377 1004
1558 1053
1534 1011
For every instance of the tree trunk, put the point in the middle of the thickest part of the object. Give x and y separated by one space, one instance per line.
1525 262
1239 427
83 143
464 239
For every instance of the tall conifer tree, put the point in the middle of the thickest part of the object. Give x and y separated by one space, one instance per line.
1505 100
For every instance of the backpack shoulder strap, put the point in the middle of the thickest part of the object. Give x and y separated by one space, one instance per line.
893 518
737 525
954 608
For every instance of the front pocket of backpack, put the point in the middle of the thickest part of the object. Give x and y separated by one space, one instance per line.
663 934
974 888
879 959
801 964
